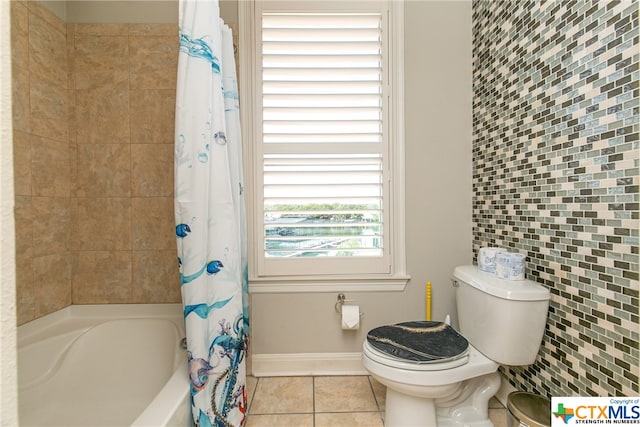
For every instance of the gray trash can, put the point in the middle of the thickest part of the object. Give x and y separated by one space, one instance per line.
528 410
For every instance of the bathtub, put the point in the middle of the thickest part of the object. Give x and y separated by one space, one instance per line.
104 365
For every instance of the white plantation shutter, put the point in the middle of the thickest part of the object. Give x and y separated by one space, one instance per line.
323 205
322 139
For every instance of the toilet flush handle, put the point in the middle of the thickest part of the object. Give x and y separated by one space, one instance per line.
455 283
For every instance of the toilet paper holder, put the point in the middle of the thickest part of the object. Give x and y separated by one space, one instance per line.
342 299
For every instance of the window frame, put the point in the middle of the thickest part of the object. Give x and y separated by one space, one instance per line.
395 278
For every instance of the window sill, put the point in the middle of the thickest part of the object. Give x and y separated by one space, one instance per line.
297 284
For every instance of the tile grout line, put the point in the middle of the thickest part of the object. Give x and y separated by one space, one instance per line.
313 400
375 399
253 396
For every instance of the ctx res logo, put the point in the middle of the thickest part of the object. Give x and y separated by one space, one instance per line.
595 410
591 412
564 413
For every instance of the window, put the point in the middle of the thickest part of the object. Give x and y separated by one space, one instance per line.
322 91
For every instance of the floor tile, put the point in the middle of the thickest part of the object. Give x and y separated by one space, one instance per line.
285 420
349 419
495 403
344 394
498 417
332 401
380 393
252 382
283 395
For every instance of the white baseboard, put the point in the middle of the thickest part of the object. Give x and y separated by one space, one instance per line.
306 364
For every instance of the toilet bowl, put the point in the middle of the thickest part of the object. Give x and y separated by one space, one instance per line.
503 322
414 391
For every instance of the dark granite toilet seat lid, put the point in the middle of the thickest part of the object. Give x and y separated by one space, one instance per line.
419 341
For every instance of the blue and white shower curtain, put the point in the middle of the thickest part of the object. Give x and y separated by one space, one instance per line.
210 216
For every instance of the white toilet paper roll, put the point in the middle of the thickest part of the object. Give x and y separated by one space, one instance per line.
517 266
350 316
510 266
487 258
503 265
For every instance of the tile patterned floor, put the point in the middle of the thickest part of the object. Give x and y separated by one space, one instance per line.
337 401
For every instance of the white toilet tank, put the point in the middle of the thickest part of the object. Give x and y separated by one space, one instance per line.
503 319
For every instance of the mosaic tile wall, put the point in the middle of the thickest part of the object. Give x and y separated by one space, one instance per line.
555 177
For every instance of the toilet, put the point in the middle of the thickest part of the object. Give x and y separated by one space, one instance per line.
437 376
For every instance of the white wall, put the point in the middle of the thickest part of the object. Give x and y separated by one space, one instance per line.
8 366
128 11
108 12
438 102
57 7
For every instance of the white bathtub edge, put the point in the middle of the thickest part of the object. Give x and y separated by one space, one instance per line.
33 327
89 312
166 407
125 310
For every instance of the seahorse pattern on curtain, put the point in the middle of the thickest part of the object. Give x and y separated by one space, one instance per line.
210 216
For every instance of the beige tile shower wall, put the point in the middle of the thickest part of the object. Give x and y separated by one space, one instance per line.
93 157
42 160
124 78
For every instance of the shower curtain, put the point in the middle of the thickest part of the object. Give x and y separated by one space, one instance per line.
210 216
